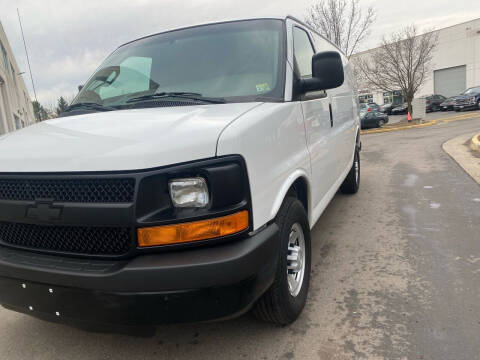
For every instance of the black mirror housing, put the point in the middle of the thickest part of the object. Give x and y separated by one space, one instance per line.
327 72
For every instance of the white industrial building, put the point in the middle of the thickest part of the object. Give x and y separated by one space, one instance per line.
16 110
456 65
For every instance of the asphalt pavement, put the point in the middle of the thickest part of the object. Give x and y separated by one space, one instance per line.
396 275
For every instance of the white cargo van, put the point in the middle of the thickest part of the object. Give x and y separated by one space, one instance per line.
182 182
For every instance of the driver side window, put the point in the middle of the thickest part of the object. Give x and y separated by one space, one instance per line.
303 52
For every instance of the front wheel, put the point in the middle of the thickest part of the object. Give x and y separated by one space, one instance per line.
351 184
285 300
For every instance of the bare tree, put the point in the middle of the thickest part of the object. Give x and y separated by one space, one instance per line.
341 21
403 61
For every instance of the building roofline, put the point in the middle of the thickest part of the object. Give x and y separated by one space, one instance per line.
428 32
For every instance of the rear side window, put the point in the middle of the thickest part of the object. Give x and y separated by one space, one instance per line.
303 51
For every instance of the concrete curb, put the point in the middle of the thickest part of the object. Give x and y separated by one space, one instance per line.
475 142
396 128
460 152
428 123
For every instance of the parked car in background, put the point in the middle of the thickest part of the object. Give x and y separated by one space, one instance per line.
432 102
448 104
369 107
148 214
399 110
373 119
387 108
468 100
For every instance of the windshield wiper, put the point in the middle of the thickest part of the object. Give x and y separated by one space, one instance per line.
182 95
89 106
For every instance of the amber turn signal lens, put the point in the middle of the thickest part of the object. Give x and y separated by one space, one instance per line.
193 231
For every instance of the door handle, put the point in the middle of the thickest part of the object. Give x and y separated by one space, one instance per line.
331 116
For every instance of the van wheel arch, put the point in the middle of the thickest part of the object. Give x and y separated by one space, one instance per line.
299 190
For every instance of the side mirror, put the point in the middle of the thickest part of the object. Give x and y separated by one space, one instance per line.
327 72
80 87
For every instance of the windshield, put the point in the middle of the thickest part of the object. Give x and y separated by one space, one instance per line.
237 61
472 90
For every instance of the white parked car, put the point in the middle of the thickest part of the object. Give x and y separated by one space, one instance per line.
182 182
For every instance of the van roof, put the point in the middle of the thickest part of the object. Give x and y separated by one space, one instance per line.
234 20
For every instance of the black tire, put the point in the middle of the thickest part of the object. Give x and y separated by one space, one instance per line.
278 305
380 123
352 181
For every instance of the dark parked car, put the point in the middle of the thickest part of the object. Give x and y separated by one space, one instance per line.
448 104
468 100
401 109
373 119
432 102
387 108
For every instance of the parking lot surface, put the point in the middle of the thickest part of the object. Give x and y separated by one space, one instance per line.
396 274
394 119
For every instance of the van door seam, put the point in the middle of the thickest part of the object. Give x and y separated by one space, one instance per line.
306 138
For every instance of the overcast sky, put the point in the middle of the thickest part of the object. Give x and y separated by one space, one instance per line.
68 39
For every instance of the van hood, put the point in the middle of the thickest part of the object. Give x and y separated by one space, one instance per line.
119 140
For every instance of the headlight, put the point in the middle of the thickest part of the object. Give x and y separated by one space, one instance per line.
189 192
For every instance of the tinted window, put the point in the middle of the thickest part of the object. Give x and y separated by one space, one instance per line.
472 90
237 61
303 52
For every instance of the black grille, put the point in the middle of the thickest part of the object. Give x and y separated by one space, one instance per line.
69 190
67 239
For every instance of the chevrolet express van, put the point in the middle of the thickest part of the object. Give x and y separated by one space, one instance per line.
182 182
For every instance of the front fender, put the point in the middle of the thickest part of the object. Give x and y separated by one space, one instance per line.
271 138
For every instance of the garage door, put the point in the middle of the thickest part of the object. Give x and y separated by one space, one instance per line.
451 81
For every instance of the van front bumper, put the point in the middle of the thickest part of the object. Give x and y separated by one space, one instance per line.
199 284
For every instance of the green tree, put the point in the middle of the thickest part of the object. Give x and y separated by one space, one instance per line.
39 111
62 105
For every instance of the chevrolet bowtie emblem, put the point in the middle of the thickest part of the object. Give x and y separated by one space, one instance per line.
44 211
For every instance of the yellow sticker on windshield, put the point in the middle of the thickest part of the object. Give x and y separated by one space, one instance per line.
262 88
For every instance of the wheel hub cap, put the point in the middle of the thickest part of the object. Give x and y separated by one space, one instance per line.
295 259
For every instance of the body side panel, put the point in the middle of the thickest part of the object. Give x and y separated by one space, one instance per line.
272 140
